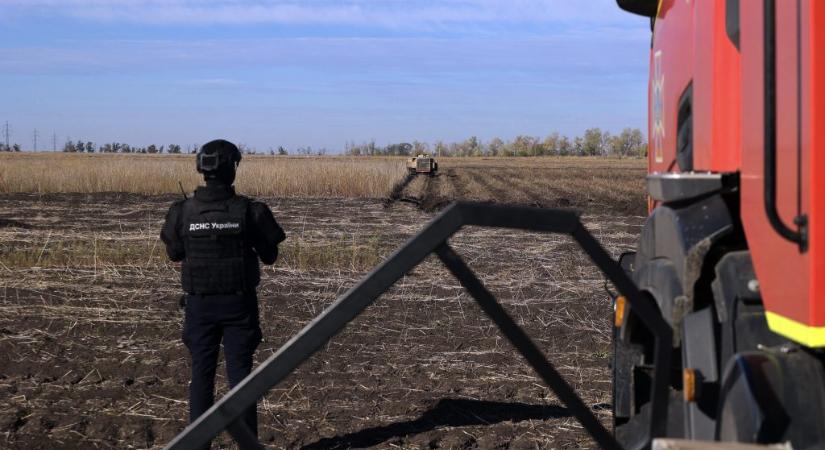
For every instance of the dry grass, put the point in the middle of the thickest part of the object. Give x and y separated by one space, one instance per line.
100 251
322 177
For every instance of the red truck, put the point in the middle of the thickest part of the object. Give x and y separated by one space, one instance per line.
733 251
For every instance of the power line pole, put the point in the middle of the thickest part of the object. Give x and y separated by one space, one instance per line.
54 142
35 139
6 133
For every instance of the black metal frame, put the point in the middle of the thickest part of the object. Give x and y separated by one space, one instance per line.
433 238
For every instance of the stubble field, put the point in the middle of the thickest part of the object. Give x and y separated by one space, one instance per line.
90 327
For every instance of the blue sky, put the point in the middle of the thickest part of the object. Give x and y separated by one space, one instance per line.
317 72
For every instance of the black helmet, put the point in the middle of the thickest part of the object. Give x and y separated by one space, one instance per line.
218 160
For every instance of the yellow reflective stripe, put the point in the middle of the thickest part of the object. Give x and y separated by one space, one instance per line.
806 335
659 8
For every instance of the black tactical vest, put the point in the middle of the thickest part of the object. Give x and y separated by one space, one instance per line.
219 258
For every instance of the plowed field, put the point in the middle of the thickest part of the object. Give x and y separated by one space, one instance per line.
90 328
584 185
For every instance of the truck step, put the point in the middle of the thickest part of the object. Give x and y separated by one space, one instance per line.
682 444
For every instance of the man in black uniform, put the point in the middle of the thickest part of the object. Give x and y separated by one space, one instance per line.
219 237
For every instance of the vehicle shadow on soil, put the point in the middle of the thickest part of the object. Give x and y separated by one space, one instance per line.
448 412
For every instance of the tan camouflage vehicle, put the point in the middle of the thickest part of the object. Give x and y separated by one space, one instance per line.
422 164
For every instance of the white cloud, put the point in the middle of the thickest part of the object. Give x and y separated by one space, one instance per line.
390 13
575 51
215 83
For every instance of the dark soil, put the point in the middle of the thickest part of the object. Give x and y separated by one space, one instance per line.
92 356
598 189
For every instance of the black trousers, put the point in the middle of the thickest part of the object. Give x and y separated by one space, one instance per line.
211 319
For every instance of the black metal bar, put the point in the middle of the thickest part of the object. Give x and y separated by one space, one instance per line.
228 409
650 316
316 333
526 347
799 109
518 217
769 53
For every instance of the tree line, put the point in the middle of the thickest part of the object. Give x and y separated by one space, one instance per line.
9 148
594 142
630 142
120 147
117 147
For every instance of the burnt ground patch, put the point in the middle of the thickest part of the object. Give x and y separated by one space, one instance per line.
588 186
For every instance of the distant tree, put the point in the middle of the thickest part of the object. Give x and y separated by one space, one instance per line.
419 148
80 147
470 147
508 149
565 147
440 149
495 146
15 147
389 150
578 146
282 151
550 146
460 148
607 138
593 142
90 147
454 149
69 147
350 148
628 143
174 149
525 145
152 149
401 149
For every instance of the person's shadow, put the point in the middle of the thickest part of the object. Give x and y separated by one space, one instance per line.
448 412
